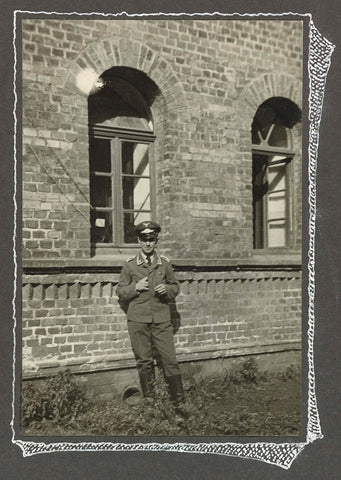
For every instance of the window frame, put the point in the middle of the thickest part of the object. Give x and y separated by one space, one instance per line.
263 148
117 136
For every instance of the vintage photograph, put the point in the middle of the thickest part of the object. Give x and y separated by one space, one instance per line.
161 227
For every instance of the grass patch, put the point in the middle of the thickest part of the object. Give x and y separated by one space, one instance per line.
242 402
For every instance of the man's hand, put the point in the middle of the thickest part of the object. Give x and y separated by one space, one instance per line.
161 289
142 285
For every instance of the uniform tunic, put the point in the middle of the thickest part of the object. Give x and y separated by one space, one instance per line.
148 306
148 313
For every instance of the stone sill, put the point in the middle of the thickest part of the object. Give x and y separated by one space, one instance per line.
260 260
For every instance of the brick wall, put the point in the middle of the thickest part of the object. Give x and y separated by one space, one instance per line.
75 320
212 77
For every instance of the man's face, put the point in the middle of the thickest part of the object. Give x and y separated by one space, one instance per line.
147 245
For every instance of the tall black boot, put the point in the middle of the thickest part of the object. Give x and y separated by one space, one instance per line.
147 383
177 395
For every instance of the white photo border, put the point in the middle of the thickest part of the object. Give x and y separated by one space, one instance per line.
279 454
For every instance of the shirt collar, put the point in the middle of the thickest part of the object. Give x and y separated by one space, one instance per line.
142 258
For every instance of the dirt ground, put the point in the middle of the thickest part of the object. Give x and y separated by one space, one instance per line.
240 405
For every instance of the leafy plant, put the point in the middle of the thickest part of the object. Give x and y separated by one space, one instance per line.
58 399
290 373
247 373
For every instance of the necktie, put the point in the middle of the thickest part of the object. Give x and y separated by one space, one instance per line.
149 259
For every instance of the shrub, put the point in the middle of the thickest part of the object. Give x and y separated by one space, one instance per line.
59 399
247 373
290 373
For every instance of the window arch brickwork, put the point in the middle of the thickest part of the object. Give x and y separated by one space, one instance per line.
105 54
263 87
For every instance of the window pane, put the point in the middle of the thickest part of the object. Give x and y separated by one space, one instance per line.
141 217
134 123
269 200
276 177
135 158
101 227
136 193
279 137
277 234
100 155
130 221
264 119
255 136
276 205
100 191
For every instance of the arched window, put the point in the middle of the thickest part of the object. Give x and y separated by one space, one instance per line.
272 156
121 156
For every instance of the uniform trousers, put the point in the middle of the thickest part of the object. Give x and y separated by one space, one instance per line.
143 336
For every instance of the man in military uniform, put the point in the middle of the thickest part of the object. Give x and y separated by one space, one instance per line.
147 283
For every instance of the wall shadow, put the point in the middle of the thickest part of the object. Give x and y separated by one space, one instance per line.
175 316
